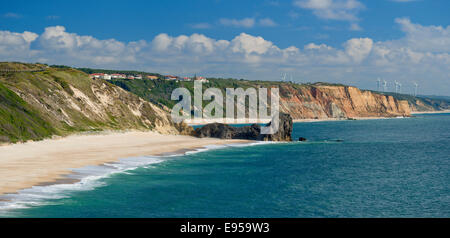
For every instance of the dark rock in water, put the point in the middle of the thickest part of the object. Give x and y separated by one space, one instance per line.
284 132
224 131
253 132
302 139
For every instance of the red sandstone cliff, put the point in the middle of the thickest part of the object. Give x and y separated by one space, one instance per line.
324 101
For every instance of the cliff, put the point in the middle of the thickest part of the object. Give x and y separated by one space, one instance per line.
301 101
423 103
325 101
37 102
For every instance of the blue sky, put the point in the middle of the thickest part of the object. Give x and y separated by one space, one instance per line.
347 41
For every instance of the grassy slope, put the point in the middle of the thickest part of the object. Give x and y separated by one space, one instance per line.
41 85
19 121
20 66
35 105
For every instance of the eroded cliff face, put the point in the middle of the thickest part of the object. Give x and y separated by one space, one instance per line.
70 101
39 101
321 102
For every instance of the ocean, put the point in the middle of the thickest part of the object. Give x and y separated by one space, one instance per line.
369 168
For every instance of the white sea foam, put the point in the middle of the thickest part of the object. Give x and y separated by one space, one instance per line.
206 148
88 178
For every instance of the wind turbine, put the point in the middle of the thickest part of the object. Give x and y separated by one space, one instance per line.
378 84
283 76
384 85
415 88
397 86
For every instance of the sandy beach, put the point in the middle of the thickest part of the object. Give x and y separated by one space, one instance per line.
24 165
33 163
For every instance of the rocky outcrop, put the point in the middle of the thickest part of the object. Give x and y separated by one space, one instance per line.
284 132
253 132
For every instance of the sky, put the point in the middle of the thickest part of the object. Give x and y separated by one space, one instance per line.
353 42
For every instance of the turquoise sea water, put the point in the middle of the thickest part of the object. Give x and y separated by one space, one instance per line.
382 168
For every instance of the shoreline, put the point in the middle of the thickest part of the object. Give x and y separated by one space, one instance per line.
202 122
52 161
344 119
431 112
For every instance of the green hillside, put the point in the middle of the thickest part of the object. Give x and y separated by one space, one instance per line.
19 121
159 91
110 71
38 101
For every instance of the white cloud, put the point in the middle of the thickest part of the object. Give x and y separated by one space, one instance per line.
312 46
200 44
56 38
424 38
201 25
248 44
422 55
56 44
246 22
345 10
194 44
358 49
16 46
355 27
267 22
162 42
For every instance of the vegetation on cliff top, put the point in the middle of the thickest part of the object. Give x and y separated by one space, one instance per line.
110 71
37 101
158 91
41 102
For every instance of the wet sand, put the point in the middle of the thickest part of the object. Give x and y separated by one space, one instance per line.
45 162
